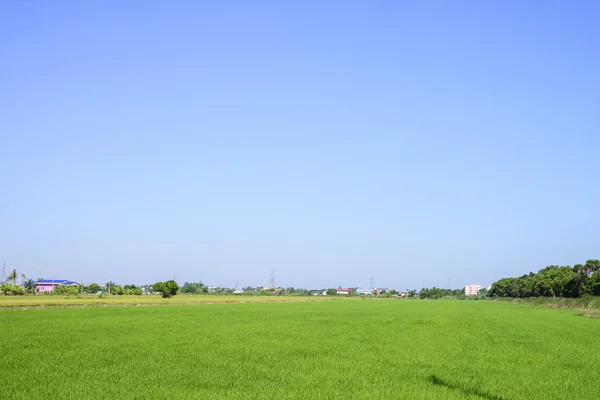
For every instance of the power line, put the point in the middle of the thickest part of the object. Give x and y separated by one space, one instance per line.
3 277
272 279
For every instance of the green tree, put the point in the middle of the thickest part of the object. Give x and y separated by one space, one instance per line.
503 288
591 267
92 288
109 287
551 281
167 289
331 292
13 276
12 290
29 286
554 281
194 287
524 286
594 283
66 290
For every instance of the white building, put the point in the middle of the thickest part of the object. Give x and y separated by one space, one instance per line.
472 290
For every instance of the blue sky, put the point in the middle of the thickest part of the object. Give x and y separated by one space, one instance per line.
418 142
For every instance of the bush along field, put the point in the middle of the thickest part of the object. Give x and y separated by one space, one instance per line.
322 350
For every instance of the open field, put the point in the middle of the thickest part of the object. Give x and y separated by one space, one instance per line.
144 300
350 349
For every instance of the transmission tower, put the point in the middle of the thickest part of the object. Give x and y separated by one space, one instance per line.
272 279
372 282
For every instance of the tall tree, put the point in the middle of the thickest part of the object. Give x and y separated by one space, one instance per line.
29 286
551 281
13 276
591 266
594 287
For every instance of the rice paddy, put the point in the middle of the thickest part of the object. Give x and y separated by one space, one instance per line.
43 301
349 349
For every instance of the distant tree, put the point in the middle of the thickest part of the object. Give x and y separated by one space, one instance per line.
29 286
13 276
110 287
167 289
552 281
331 292
65 290
194 288
92 288
12 290
438 293
114 289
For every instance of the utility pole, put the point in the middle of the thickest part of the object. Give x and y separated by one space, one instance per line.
3 276
372 282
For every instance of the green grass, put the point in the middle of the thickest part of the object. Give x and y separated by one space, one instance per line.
350 349
588 305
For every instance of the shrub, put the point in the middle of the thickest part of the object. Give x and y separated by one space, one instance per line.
12 290
66 290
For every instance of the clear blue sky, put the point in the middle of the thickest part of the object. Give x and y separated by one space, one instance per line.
416 141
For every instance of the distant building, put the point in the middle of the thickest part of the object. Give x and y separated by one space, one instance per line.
343 291
472 290
47 285
364 291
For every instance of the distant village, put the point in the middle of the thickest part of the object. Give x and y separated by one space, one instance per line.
15 284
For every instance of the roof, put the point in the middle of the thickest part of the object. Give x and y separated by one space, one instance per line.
56 281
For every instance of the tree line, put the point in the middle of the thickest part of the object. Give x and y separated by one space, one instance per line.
438 293
552 281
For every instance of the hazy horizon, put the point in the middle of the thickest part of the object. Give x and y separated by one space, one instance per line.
419 143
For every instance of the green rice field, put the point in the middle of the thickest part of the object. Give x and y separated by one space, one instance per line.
352 349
